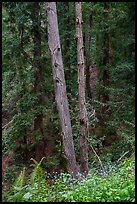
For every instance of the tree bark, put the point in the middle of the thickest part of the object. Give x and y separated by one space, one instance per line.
20 111
94 78
88 57
83 119
106 62
67 41
60 87
36 29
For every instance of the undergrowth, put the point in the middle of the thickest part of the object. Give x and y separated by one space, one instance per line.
115 186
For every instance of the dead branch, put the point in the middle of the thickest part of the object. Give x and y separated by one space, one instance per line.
7 124
98 159
103 104
121 158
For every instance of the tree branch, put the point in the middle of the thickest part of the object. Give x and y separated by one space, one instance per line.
7 124
98 159
103 104
121 158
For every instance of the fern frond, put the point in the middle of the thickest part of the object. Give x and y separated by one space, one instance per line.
37 174
34 161
20 180
41 160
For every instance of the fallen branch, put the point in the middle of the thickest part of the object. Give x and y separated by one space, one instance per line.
121 158
98 159
103 104
93 114
7 124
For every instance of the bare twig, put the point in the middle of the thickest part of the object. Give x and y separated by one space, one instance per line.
118 108
93 114
98 159
129 123
121 158
103 104
7 124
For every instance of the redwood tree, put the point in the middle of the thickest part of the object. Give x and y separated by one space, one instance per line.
87 56
83 119
36 28
106 62
60 87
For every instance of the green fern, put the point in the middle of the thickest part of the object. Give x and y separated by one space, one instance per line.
17 191
37 175
19 183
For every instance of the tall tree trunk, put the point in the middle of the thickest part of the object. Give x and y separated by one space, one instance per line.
88 57
98 63
19 111
94 78
106 62
36 28
60 87
83 119
67 43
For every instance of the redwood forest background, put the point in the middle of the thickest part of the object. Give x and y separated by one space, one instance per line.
68 88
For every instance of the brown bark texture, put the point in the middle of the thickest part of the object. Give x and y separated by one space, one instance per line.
36 28
83 119
60 87
106 62
93 80
88 57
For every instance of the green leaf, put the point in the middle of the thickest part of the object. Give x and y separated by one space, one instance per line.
27 195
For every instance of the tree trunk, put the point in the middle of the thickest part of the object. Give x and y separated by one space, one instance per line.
60 87
99 63
106 62
83 119
88 57
20 111
67 43
36 28
94 78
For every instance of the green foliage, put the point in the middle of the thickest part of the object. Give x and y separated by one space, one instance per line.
21 101
22 192
18 187
9 179
20 180
10 173
18 95
51 163
117 186
37 174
